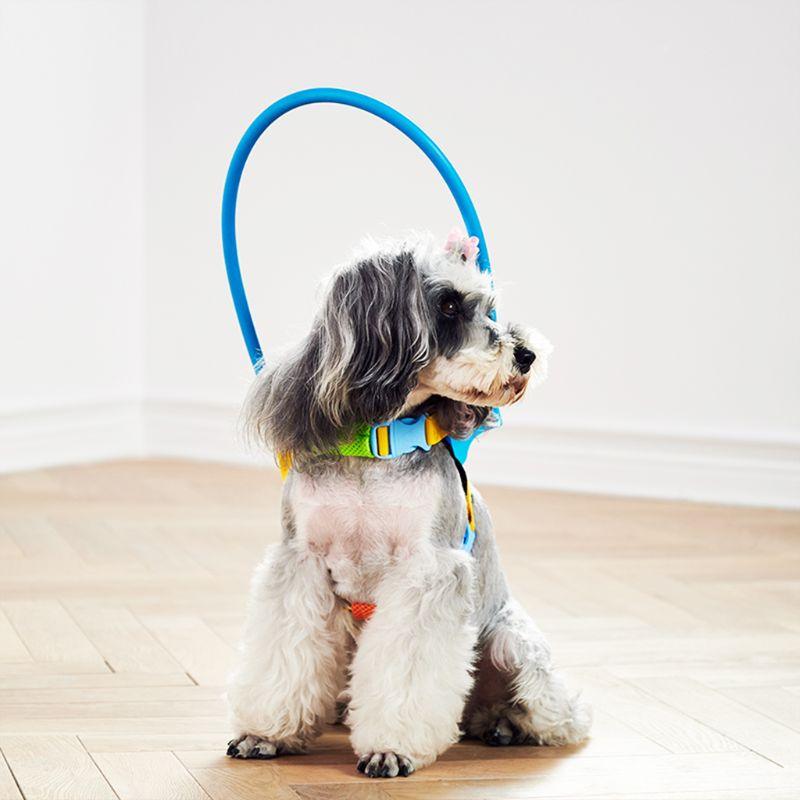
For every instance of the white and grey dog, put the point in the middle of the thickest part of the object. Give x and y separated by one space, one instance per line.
405 329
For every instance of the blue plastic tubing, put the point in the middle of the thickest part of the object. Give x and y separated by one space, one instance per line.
251 136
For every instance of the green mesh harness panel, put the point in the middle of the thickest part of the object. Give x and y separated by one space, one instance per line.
358 445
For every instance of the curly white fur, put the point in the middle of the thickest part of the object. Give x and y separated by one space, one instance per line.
411 672
290 669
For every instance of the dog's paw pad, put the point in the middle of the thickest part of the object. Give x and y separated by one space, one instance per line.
385 765
251 747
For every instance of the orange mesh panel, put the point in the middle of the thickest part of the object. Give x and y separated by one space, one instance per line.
362 611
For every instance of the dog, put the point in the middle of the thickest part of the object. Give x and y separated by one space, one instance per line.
405 330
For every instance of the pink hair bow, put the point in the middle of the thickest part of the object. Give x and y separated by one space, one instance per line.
465 247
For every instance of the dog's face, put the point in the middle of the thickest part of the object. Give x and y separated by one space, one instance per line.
473 358
405 325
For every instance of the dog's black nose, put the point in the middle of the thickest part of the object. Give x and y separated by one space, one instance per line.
524 358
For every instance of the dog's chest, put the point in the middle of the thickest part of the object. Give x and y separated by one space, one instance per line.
360 522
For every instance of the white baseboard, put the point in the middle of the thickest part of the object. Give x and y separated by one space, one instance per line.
70 434
702 468
708 469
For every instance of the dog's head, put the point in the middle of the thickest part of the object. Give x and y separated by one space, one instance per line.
404 326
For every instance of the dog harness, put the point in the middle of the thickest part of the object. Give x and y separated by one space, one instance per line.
392 440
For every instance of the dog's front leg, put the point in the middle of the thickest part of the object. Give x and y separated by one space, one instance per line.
288 677
411 671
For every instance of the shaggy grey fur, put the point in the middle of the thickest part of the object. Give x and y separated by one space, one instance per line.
358 364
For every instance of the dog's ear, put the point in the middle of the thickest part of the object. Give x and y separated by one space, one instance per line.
376 339
358 365
279 411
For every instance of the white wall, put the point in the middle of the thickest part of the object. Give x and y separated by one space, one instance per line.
635 166
71 205
638 176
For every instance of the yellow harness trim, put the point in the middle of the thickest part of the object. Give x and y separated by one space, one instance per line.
284 464
470 509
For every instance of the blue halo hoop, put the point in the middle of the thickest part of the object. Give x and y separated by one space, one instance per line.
251 136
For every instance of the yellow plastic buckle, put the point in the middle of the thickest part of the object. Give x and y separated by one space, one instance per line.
382 441
433 433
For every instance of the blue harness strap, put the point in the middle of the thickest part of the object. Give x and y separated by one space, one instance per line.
470 532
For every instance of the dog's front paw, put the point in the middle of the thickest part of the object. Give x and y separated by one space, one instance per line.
251 747
385 765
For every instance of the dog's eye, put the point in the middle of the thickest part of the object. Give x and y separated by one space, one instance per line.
449 307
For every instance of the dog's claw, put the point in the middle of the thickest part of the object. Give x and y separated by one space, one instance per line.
385 765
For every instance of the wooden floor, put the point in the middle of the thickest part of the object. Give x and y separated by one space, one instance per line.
122 590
